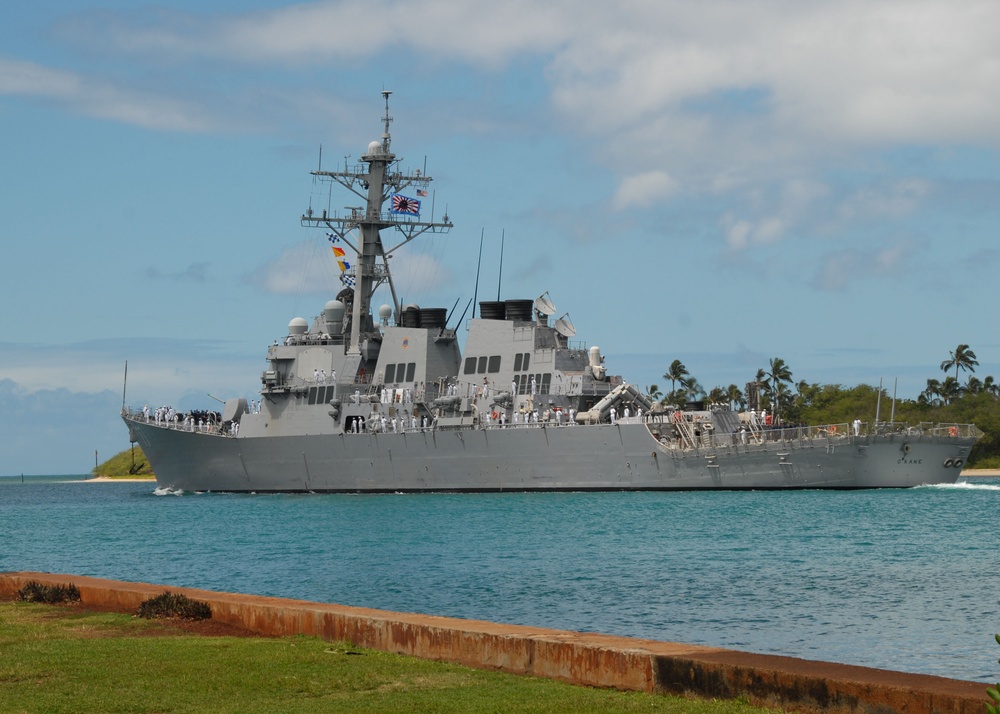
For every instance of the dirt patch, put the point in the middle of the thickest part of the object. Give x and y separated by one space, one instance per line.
204 628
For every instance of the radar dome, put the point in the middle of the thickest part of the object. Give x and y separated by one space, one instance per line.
334 311
375 147
298 326
385 312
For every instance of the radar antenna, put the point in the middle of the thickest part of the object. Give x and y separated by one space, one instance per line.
386 139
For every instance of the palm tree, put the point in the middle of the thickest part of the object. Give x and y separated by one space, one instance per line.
654 393
677 372
974 385
776 379
736 397
718 395
950 390
678 397
990 386
782 399
962 358
807 392
760 384
932 395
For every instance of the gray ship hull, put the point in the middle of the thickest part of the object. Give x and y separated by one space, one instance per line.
623 456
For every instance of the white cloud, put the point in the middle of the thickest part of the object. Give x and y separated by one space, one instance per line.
157 368
309 268
843 267
418 274
100 98
318 32
848 70
643 189
773 217
303 268
742 233
712 84
890 200
751 103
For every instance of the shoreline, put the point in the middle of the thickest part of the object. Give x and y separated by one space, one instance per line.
112 479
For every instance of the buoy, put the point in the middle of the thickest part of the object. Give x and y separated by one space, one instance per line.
953 430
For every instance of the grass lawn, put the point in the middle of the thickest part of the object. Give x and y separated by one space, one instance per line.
65 659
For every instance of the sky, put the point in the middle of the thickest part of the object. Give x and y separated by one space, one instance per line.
717 182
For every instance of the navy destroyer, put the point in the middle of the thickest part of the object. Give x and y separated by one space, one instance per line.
387 402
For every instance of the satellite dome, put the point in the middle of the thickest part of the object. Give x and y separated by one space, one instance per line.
298 326
385 312
334 311
375 147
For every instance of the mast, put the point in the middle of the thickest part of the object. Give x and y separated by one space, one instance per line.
375 183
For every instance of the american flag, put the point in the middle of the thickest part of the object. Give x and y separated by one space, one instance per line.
405 204
421 192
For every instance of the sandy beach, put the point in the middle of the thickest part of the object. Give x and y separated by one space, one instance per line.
980 473
108 479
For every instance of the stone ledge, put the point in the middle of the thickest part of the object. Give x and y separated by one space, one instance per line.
579 658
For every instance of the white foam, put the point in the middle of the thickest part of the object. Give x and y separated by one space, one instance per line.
965 486
167 491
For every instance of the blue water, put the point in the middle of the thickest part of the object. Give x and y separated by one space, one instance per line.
904 579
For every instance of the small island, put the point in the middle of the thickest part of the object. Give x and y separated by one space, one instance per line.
128 465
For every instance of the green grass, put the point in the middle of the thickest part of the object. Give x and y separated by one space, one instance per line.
63 659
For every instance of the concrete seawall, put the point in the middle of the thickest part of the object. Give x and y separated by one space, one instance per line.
580 658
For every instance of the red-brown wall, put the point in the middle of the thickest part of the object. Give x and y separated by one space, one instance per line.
579 658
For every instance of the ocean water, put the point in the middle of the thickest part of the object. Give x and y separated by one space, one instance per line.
904 579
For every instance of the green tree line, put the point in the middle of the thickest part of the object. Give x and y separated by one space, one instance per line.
948 400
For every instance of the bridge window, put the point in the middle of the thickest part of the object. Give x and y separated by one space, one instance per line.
494 365
470 365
